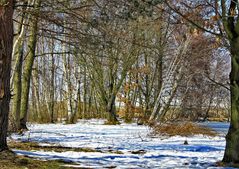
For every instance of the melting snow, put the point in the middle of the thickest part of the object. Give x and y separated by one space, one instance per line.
163 152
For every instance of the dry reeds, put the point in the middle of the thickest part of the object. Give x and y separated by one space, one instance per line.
182 129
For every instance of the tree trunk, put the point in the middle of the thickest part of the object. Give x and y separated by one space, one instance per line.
231 154
112 118
111 110
35 84
52 90
69 85
17 71
28 66
85 86
171 80
6 44
17 88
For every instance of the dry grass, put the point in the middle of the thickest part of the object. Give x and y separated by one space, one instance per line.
182 129
219 119
9 160
30 146
111 122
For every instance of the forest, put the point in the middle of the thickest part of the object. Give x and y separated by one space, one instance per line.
119 84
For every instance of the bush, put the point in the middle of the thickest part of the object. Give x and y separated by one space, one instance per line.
182 129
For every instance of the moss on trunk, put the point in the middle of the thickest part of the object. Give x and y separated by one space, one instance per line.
231 154
29 61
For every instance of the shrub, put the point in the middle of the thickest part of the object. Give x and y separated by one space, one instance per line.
182 129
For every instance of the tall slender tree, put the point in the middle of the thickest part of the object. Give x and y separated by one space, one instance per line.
29 61
17 54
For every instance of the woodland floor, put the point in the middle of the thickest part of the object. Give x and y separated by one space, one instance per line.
91 144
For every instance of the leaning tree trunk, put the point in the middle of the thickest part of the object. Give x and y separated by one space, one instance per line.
6 43
17 53
29 61
231 154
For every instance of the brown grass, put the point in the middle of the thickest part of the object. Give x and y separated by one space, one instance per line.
182 129
111 122
219 119
9 160
30 146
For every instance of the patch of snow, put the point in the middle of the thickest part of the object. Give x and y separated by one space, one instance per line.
163 152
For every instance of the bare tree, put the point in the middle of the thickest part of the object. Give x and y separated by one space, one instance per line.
219 18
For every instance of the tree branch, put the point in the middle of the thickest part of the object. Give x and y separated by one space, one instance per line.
190 21
218 83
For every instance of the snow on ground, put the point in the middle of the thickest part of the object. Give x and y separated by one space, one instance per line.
163 152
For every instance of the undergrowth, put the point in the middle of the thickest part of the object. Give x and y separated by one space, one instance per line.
182 129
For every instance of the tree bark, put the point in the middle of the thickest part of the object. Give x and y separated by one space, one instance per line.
28 65
231 154
52 90
17 88
111 110
6 44
17 53
231 26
